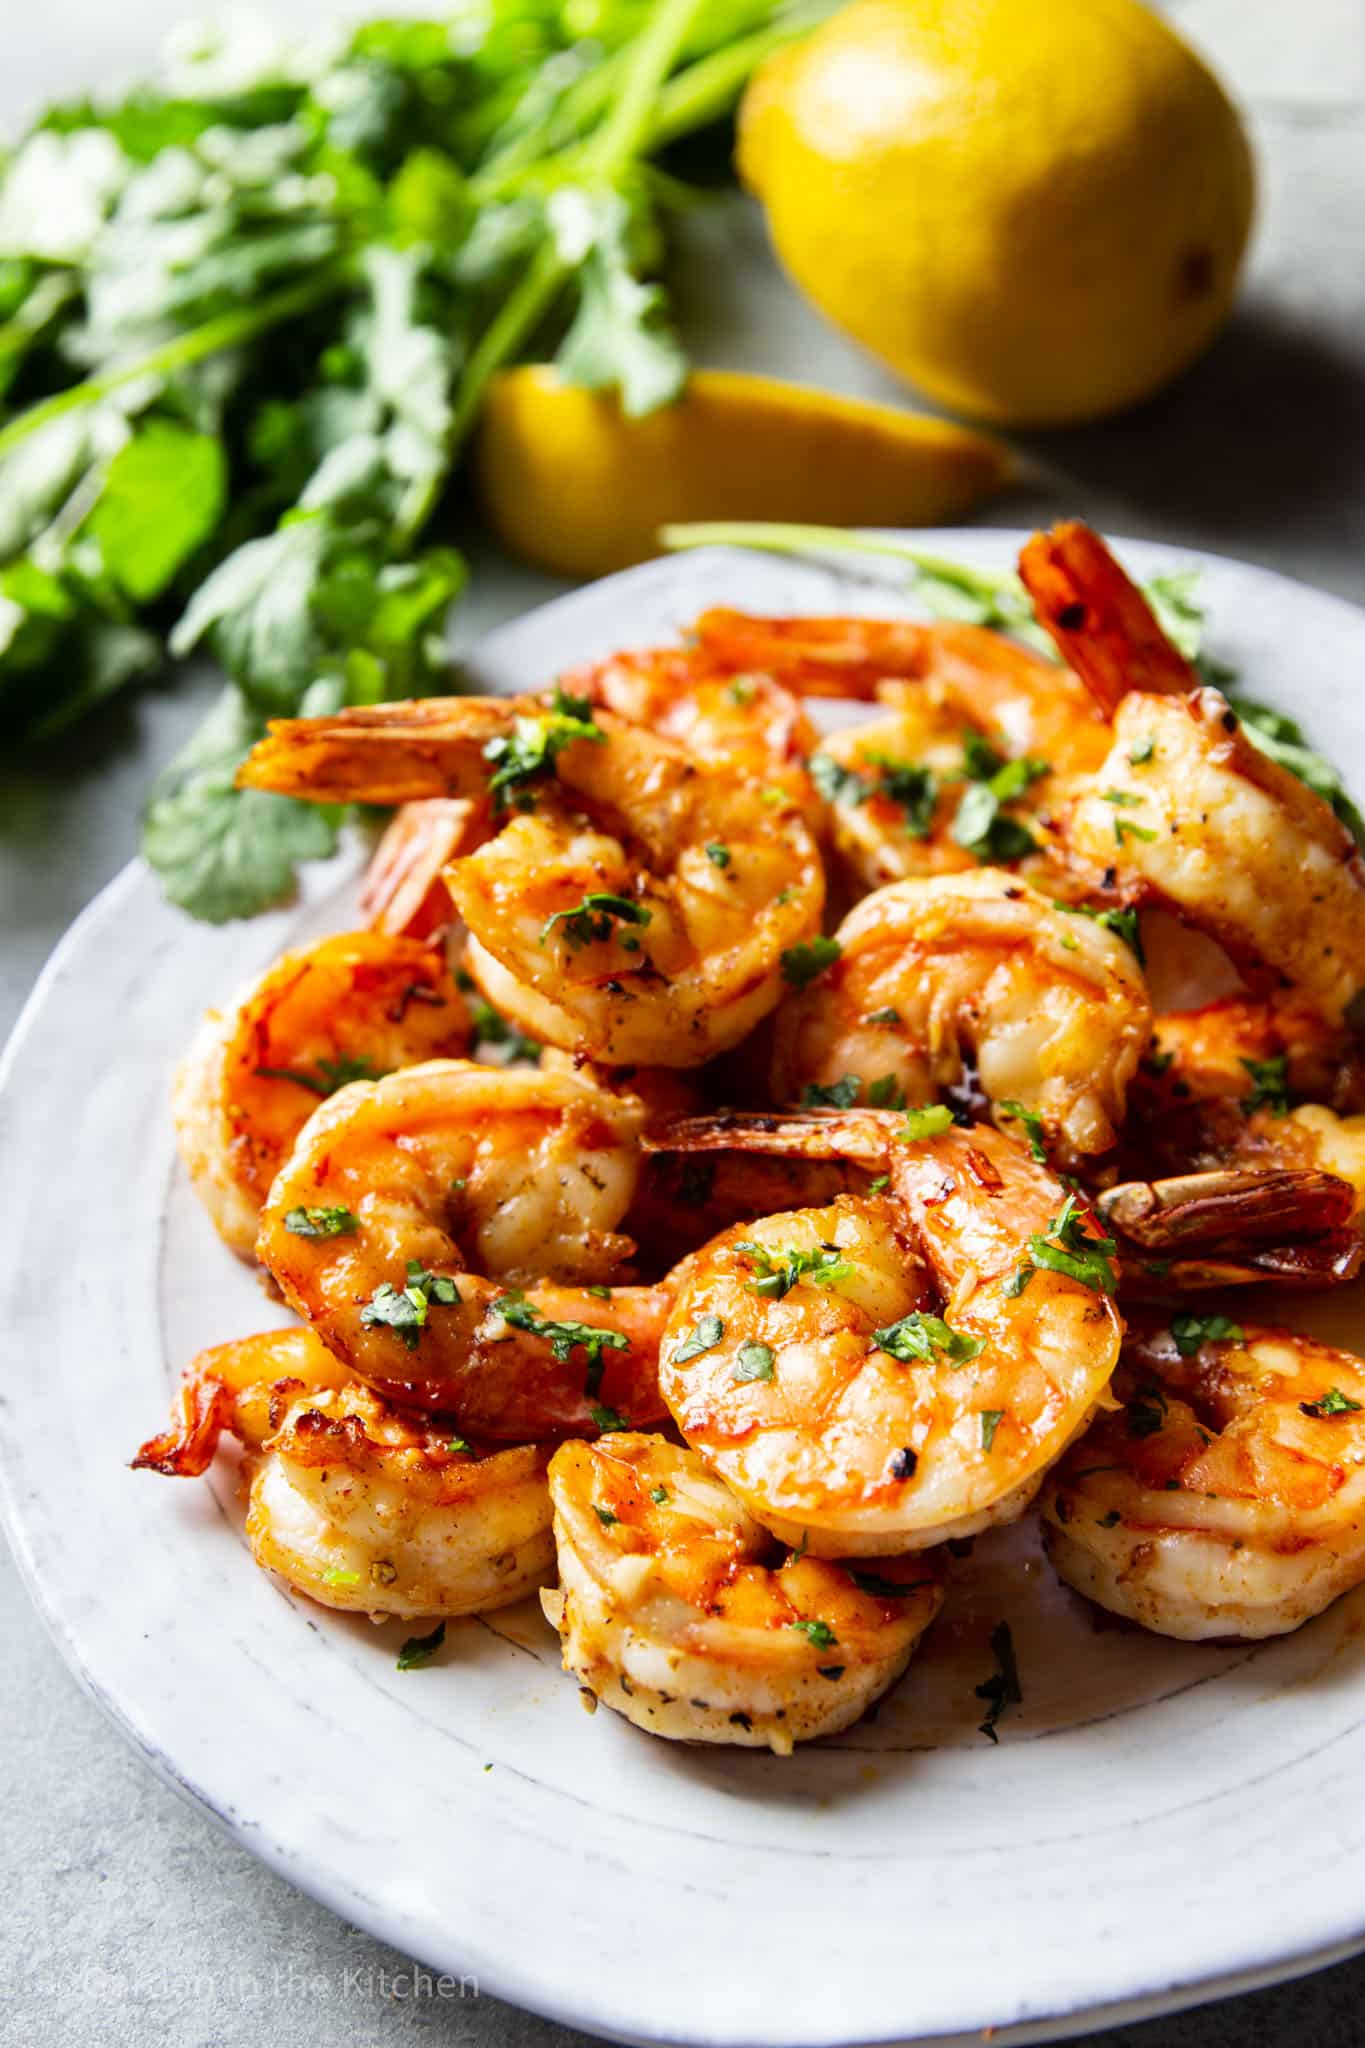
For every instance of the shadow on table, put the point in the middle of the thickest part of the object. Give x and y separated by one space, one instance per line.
1263 436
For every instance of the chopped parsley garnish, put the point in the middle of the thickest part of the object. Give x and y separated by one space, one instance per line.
1124 828
328 1075
818 1633
659 1495
460 1447
405 1309
1123 923
886 1015
1003 1689
837 783
1142 753
1033 1126
419 1650
990 1422
1269 1085
594 917
918 1336
801 964
878 1182
840 1094
718 853
605 1516
980 826
980 759
1122 799
1190 1331
1331 1403
606 1419
925 1123
562 1337
337 1575
885 1093
704 1336
913 787
305 1222
1147 1411
534 745
753 1362
1065 1247
779 1272
883 1589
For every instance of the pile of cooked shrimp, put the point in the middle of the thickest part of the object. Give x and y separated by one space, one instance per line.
727 1382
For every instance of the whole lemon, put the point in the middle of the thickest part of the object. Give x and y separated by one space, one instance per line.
1034 210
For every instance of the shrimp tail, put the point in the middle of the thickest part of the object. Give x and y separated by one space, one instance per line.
186 1449
1102 624
383 753
861 1137
1227 1207
833 657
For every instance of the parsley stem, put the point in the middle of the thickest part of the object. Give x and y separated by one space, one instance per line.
602 160
225 330
652 56
702 91
776 537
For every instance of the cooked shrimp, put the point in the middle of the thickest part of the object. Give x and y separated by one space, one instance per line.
346 1008
416 1222
680 693
405 888
1226 1496
356 1503
677 1609
968 710
1051 1006
891 1371
634 907
1185 810
1223 1088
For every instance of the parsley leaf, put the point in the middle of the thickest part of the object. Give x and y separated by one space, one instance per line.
1190 1331
930 1122
841 1094
563 1338
990 1422
801 964
818 1633
1334 1402
704 1336
1269 1085
530 750
753 1361
328 1075
1067 1247
918 1336
419 1650
324 1222
1033 1126
594 917
779 1272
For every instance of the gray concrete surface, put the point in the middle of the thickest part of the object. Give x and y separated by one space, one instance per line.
129 1918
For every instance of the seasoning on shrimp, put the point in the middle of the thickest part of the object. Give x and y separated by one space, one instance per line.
679 1610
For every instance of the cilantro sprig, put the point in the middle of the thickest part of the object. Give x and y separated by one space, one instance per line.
245 335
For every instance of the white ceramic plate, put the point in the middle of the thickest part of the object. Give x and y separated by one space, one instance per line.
1160 1822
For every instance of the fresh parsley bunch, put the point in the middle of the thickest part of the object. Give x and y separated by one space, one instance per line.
247 317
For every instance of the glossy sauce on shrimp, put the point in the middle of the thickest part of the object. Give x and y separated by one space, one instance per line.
1225 1494
679 1610
898 1369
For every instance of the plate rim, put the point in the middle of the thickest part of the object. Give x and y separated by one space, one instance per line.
499 1974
